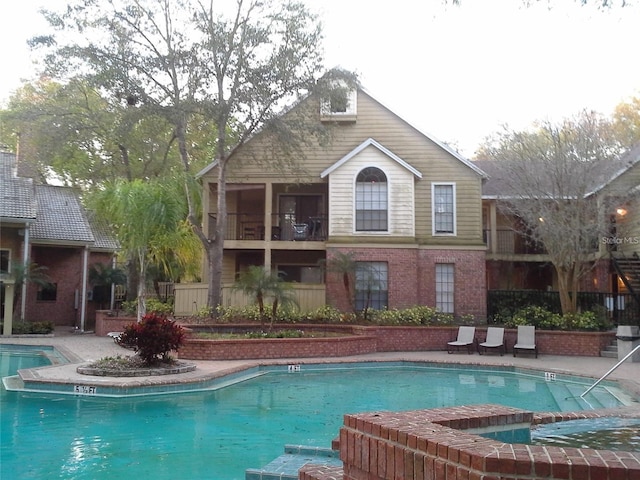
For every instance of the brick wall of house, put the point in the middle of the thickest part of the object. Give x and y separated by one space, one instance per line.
64 268
470 279
412 277
444 444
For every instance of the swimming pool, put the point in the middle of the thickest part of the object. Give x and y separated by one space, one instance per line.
220 433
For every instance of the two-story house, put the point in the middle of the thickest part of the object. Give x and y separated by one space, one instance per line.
47 226
405 206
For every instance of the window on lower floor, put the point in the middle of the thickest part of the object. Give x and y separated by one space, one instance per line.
5 256
301 273
372 285
445 273
48 293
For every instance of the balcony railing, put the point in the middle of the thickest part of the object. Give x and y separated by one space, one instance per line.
511 242
285 227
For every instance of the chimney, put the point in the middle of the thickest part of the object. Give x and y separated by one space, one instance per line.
25 158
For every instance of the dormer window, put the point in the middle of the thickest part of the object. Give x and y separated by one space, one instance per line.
341 106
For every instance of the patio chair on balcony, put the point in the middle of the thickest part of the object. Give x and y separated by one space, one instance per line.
526 341
249 233
466 339
494 341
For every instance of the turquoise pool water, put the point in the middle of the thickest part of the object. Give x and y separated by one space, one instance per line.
219 434
607 433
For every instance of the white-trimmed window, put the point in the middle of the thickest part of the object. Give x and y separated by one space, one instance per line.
372 285
5 260
443 206
371 201
341 104
445 287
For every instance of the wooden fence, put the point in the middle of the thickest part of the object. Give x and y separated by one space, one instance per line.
191 297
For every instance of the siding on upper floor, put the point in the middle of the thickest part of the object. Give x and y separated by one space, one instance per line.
400 195
377 122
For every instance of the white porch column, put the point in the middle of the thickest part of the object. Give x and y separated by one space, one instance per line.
25 261
83 295
9 288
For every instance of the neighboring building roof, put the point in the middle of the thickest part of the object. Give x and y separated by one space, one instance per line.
17 194
370 142
628 161
57 215
61 217
493 186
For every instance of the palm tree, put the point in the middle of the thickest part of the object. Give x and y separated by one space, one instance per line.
261 284
141 213
344 265
24 274
102 276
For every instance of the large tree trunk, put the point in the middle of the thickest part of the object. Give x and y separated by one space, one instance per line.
568 288
216 249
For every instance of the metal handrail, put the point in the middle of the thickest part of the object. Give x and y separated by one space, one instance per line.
611 370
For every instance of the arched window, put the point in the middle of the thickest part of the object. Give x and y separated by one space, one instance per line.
371 200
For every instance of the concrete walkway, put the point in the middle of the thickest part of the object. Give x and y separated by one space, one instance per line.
85 348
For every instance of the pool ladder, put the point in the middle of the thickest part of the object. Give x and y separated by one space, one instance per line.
609 372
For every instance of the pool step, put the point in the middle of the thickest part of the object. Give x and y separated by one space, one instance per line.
611 350
286 466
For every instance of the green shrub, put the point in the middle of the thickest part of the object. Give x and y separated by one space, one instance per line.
537 316
35 328
156 306
153 306
416 315
154 337
544 319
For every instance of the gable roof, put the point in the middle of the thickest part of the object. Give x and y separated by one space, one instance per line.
17 194
440 144
370 142
458 156
60 218
493 187
628 161
56 214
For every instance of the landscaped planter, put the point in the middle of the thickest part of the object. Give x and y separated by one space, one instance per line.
359 339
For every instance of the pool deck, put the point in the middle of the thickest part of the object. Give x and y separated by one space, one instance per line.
85 348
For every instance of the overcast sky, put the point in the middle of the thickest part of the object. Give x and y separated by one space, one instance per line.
456 72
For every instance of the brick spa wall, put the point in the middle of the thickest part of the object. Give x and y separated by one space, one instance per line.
106 323
358 340
443 444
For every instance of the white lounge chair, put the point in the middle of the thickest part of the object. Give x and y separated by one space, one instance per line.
526 341
466 338
494 340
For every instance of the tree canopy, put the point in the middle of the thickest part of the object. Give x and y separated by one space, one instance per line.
188 63
547 177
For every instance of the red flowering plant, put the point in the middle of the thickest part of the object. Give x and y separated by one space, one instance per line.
153 338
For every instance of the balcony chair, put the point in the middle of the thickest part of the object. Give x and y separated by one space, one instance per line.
526 340
466 338
494 341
